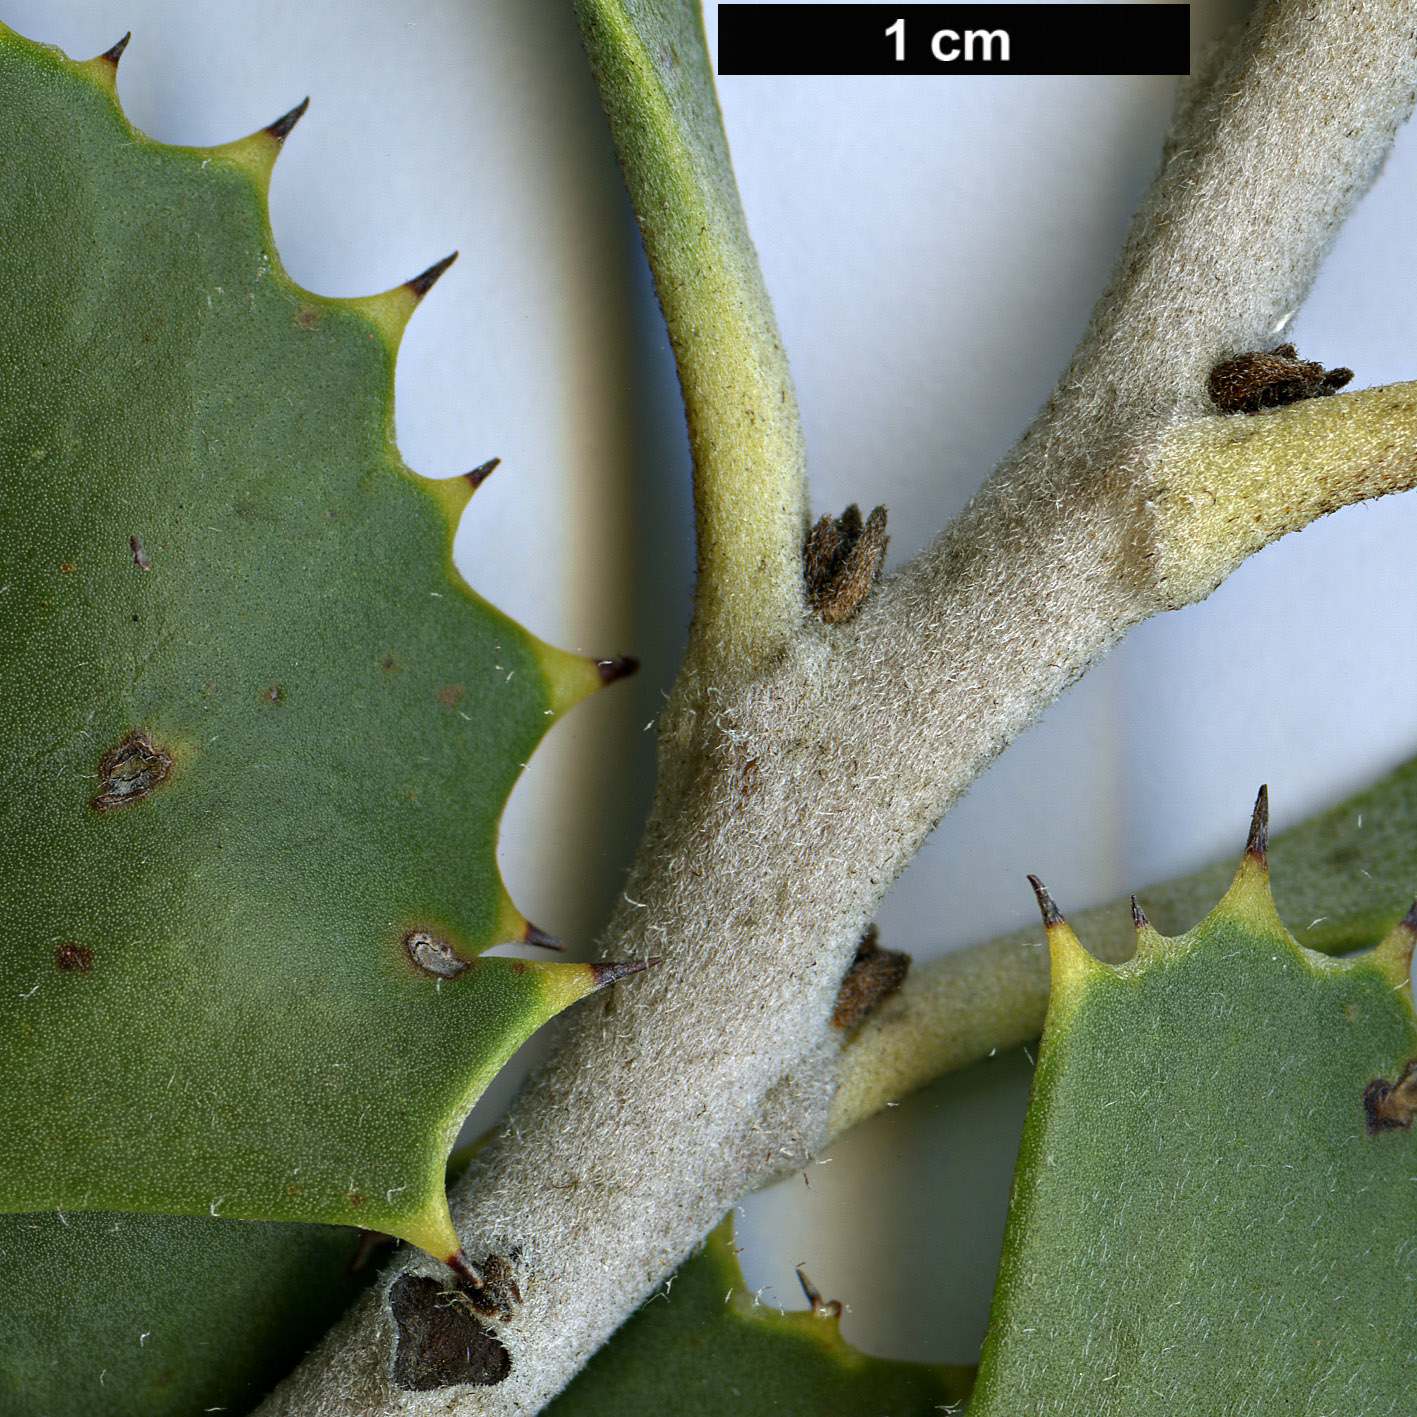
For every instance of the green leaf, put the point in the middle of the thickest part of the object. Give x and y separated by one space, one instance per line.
1214 1209
704 1344
258 731
162 1316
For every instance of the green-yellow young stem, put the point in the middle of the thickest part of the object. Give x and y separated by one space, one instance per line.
1233 483
651 61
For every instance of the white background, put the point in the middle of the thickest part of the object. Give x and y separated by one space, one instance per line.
933 246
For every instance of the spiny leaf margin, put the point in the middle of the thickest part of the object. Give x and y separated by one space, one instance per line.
1202 1219
258 729
705 1344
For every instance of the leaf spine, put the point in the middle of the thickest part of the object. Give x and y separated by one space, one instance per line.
1249 899
391 310
280 129
103 68
1072 965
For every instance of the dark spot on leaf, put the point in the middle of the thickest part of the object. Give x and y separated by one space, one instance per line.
274 694
1345 855
440 1341
451 695
130 772
389 662
1390 1106
77 959
255 514
164 1378
433 955
65 567
873 974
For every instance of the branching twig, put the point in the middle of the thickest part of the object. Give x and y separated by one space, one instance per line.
802 764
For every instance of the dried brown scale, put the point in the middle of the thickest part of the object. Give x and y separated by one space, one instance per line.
112 56
1257 846
534 936
433 955
611 971
440 1340
873 975
1051 914
1251 383
620 667
499 1293
842 560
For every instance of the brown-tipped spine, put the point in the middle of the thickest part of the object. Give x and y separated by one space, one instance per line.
823 1308
1051 914
481 473
112 56
422 284
621 667
1409 921
1257 847
1139 920
609 971
540 938
280 129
